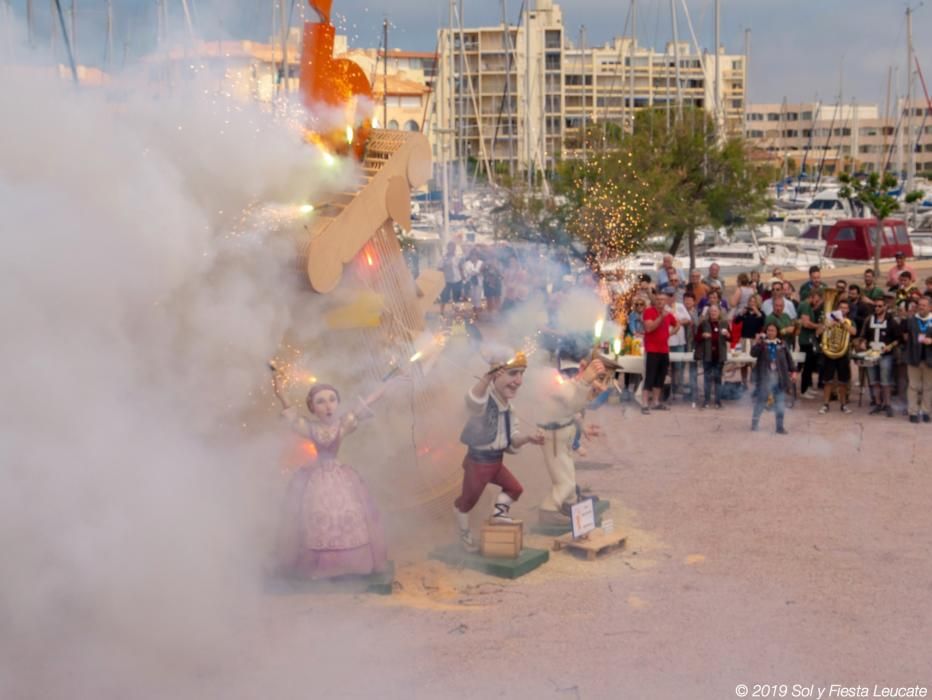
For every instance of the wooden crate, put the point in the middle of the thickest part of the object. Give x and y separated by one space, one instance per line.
500 541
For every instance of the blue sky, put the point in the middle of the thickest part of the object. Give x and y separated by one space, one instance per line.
799 48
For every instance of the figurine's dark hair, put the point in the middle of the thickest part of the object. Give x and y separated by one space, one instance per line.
315 390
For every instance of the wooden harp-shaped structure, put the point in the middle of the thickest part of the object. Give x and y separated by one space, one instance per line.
350 250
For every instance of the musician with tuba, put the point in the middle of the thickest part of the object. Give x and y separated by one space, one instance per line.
835 344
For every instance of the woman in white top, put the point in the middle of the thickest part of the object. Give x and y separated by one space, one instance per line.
741 296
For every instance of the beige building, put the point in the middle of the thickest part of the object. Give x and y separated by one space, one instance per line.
249 70
509 96
846 137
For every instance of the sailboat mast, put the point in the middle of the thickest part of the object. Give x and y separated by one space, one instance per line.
461 99
283 25
886 120
582 47
30 22
509 64
385 73
911 157
676 62
747 73
634 38
74 34
718 82
64 32
109 61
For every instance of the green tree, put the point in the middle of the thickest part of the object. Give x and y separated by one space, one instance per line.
662 179
874 191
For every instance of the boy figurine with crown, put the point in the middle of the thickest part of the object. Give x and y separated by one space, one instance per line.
492 430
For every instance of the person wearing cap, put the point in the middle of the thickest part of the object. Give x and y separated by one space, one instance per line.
899 266
490 432
561 404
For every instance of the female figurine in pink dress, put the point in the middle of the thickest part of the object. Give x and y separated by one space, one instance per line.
331 525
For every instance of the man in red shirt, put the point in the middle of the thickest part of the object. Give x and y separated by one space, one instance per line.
659 323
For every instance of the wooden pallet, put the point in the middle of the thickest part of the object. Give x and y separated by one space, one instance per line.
594 544
553 529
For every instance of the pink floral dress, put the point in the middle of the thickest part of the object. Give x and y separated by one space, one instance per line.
332 527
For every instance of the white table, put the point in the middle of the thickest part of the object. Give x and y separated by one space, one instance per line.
634 364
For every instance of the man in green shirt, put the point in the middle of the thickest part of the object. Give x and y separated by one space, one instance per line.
786 327
815 282
871 290
811 313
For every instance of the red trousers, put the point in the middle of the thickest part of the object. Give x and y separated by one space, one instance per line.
477 475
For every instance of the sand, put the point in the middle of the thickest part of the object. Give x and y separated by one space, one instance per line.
751 558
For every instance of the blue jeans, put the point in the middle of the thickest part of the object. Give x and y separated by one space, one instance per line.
694 380
713 378
771 386
676 369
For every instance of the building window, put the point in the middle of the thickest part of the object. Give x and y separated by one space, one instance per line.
552 39
773 117
552 61
411 125
393 124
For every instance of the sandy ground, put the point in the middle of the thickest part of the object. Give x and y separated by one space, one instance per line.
751 558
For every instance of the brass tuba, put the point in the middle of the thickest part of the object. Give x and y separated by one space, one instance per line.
835 338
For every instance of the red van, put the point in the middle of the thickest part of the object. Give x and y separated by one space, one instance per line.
853 239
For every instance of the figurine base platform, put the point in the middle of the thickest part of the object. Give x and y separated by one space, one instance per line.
381 583
554 529
528 560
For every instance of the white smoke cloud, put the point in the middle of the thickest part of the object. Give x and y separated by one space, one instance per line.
139 313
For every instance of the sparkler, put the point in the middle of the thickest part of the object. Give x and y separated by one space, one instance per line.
395 369
616 346
597 340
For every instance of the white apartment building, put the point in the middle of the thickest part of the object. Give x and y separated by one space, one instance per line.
510 96
843 137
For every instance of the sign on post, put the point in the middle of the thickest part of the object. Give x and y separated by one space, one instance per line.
583 517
